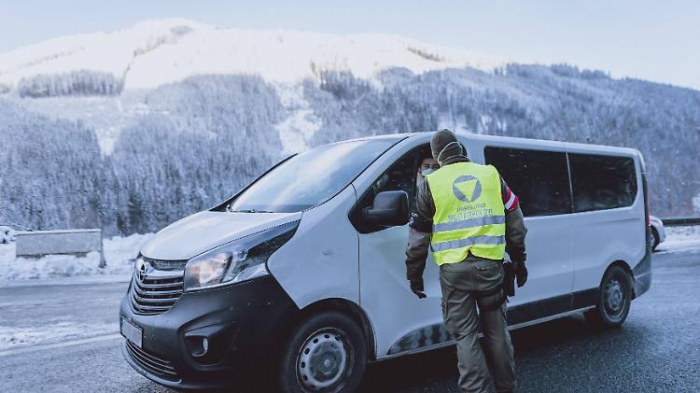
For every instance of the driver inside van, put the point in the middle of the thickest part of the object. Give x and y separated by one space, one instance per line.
427 166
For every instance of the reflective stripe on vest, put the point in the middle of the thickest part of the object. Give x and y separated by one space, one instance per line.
469 212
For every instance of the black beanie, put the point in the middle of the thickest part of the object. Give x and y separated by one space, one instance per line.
439 146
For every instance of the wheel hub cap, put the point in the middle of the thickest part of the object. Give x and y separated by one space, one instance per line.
614 299
323 360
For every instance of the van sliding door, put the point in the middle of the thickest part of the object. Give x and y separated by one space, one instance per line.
540 180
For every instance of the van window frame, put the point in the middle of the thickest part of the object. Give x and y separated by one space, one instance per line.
355 211
570 178
530 149
599 154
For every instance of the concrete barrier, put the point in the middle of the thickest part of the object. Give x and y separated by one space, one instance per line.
75 241
680 221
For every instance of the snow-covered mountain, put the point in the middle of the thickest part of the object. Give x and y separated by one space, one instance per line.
156 52
170 117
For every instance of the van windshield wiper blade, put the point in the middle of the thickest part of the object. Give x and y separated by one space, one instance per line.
250 211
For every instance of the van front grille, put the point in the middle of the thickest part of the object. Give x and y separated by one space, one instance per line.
166 265
155 295
152 363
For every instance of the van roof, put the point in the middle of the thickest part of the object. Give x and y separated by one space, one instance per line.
535 143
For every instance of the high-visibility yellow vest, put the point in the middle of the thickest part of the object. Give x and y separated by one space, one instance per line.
469 212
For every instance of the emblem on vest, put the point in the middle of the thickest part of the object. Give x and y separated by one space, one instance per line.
467 188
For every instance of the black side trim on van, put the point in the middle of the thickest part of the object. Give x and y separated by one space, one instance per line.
586 298
428 336
539 309
556 305
434 335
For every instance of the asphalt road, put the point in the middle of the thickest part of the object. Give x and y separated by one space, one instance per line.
657 350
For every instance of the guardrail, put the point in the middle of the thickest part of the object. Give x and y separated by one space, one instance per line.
75 242
680 221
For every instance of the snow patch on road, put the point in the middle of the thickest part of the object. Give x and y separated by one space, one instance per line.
14 336
681 239
120 253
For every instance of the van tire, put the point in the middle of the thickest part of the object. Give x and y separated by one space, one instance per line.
614 299
326 353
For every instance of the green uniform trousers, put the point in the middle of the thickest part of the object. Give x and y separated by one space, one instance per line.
489 366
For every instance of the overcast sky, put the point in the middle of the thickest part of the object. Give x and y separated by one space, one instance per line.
654 40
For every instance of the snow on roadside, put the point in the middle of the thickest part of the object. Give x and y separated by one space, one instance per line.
119 254
681 239
13 336
121 251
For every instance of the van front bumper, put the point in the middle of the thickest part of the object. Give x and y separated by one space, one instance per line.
244 325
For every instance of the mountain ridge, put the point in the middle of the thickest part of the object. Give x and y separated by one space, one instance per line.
156 52
188 143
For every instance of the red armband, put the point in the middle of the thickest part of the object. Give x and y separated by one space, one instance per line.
510 200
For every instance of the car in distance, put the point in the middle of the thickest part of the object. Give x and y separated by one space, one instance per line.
657 231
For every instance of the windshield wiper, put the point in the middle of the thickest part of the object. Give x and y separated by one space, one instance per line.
250 211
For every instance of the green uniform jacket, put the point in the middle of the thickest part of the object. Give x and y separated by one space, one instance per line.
421 226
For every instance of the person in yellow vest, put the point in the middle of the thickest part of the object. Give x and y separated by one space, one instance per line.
468 217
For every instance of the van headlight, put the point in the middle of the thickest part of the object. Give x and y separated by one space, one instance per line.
238 261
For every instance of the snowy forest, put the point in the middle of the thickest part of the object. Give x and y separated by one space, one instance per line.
200 140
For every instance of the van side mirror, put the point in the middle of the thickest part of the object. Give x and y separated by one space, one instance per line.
390 209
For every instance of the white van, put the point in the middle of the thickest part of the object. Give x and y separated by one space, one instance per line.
302 275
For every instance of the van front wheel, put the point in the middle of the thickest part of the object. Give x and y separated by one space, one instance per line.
326 353
614 300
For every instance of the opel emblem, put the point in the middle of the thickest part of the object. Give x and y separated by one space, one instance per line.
141 269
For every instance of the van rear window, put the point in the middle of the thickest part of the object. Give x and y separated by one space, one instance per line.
602 182
540 179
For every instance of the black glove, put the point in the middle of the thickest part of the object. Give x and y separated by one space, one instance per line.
520 273
417 288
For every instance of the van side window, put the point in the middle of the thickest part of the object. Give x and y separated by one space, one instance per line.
602 182
540 179
400 176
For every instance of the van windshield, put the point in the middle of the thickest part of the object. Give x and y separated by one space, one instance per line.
310 178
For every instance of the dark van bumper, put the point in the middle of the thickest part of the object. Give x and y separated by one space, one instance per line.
243 323
642 274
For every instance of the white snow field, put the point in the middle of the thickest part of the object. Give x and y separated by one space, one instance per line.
120 253
681 239
21 336
300 123
156 52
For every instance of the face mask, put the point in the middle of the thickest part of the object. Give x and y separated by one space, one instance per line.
426 172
